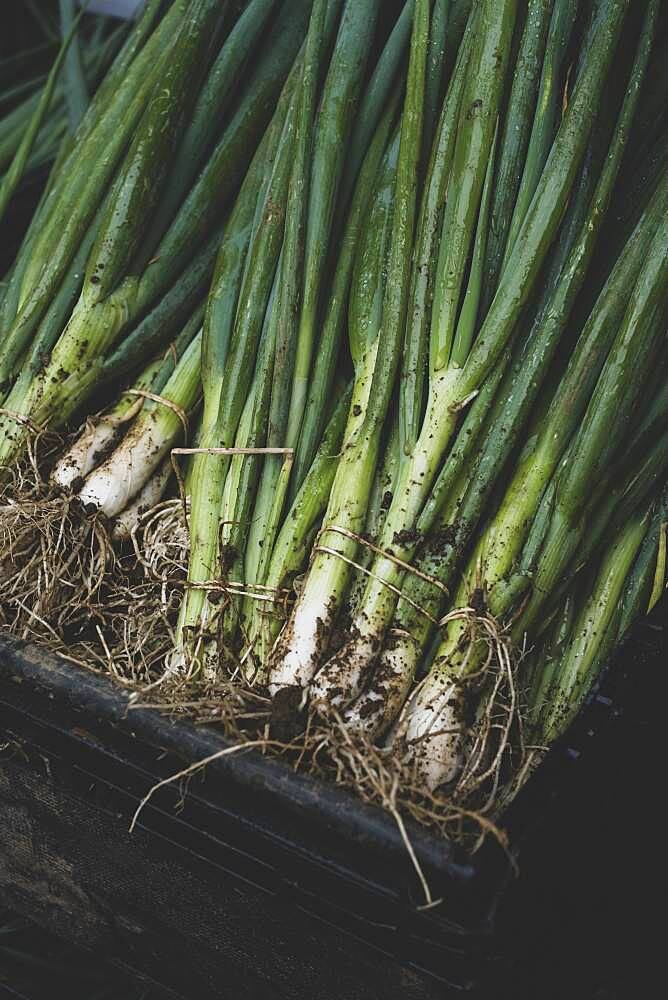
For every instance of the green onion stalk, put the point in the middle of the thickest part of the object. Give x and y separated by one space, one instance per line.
613 405
445 538
235 318
462 160
339 99
296 536
76 195
432 725
134 463
648 580
378 306
421 286
119 82
112 299
631 565
364 326
120 464
638 470
370 259
317 174
632 477
518 124
414 360
76 97
376 115
261 542
241 483
461 359
544 661
546 114
380 90
619 587
502 540
57 242
156 330
438 35
384 484
614 526
204 128
282 315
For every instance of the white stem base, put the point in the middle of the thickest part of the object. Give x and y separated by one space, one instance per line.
300 647
340 680
377 708
87 451
129 519
432 731
121 477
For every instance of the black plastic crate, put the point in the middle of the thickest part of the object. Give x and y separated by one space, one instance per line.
259 882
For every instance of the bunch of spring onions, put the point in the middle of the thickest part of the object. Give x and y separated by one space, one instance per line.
398 285
121 248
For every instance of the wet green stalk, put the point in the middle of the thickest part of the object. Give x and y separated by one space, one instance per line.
452 385
232 354
339 99
375 347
